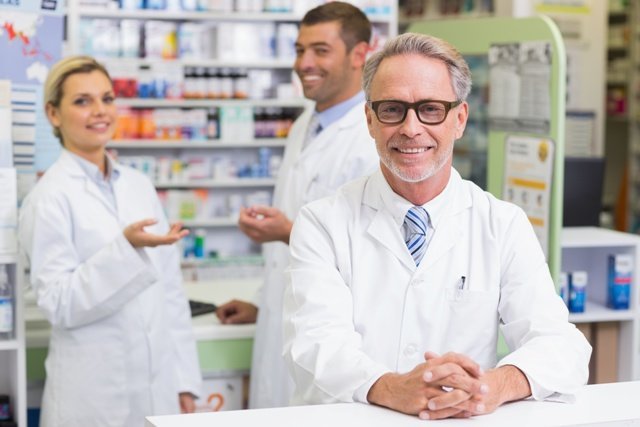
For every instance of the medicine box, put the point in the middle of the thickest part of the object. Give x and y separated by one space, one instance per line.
578 291
620 274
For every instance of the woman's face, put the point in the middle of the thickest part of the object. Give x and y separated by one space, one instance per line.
86 116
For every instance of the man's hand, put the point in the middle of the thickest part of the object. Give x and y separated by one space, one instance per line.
265 224
237 312
138 238
187 403
442 387
506 384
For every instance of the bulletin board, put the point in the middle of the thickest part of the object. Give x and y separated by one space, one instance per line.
475 37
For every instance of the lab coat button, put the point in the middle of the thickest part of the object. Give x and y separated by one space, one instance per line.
410 350
417 282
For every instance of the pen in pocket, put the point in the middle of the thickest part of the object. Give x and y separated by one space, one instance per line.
462 280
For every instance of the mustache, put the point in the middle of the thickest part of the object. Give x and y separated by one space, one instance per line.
401 141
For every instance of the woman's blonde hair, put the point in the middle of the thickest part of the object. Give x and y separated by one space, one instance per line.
60 72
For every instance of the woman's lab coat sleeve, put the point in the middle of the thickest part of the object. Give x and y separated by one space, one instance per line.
322 348
550 351
181 330
74 292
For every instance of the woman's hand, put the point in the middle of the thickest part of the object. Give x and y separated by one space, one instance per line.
138 238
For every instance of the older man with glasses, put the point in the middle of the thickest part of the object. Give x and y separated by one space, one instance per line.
400 282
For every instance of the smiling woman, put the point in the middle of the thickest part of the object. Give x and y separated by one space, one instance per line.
121 341
79 103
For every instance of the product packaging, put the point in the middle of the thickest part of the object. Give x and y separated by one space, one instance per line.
619 281
578 291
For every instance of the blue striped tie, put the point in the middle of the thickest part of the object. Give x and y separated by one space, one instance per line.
417 220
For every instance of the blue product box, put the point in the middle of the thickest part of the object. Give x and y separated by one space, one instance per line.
619 281
578 291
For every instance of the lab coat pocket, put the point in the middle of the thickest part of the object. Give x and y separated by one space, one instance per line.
91 384
472 326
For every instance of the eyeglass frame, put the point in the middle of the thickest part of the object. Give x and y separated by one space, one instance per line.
448 106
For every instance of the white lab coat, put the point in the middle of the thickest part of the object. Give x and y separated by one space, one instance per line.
121 341
341 152
357 306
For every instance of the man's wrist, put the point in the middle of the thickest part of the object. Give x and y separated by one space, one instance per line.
380 390
511 383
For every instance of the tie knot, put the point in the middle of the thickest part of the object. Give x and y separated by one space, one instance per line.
417 219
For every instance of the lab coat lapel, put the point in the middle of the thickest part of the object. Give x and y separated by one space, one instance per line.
382 227
450 228
75 171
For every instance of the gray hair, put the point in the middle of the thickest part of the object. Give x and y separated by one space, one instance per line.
428 46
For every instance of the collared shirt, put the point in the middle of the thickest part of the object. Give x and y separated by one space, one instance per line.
104 183
399 206
332 114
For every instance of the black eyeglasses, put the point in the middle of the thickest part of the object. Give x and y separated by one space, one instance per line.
431 112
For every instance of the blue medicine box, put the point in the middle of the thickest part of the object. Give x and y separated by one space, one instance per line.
619 281
578 291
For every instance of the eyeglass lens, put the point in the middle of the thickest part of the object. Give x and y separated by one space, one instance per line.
394 112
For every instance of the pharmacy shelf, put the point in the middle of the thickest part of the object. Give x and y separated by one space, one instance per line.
208 103
8 258
213 222
274 64
213 144
588 249
9 345
595 312
219 183
593 237
181 15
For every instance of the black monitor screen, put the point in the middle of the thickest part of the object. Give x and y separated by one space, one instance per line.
582 200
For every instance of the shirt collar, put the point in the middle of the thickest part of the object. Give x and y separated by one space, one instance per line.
332 114
94 173
398 206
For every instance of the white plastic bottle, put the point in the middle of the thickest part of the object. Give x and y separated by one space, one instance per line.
6 306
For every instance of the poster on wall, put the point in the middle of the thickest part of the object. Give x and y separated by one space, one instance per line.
520 87
527 183
31 34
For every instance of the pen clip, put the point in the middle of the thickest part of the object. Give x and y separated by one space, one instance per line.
462 280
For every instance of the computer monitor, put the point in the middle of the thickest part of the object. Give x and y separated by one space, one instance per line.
583 183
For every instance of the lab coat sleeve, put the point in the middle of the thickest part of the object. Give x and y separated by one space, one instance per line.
181 329
322 347
72 292
550 351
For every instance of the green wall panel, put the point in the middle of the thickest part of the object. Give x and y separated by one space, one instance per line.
219 355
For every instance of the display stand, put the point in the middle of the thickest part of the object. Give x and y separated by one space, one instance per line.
475 37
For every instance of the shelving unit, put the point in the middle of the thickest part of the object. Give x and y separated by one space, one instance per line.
12 352
587 249
223 191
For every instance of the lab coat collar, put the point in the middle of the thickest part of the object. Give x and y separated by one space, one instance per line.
392 208
70 166
327 136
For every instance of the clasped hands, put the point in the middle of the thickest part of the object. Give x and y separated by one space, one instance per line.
451 385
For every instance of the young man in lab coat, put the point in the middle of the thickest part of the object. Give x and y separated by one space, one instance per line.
407 315
331 50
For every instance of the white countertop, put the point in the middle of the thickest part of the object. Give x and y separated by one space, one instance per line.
206 327
596 405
